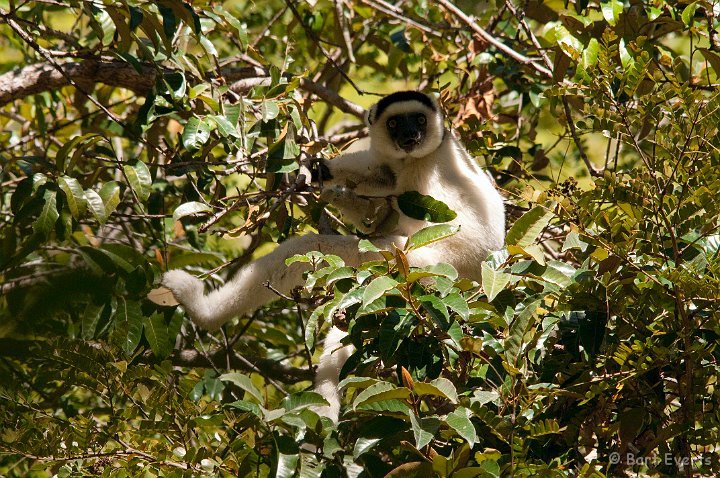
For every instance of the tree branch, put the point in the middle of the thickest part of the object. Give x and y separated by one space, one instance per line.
218 358
40 77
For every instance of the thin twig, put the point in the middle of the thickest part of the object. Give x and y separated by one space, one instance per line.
494 41
573 132
566 104
344 30
318 43
396 13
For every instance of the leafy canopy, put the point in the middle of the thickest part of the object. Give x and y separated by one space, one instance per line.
140 136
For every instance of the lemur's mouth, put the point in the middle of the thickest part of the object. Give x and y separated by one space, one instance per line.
408 144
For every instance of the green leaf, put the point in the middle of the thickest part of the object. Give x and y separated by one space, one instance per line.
430 234
269 110
170 21
590 53
130 316
64 151
195 134
246 406
424 429
208 46
298 401
243 382
364 445
240 33
358 382
481 397
213 386
611 11
533 251
393 329
90 318
626 58
381 391
712 58
344 272
377 288
312 324
95 202
457 303
106 260
366 246
435 270
385 407
443 269
140 180
573 241
74 195
45 223
440 387
568 42
516 333
282 156
688 14
176 85
156 333
459 420
225 126
436 310
424 208
190 208
286 456
110 195
528 227
493 281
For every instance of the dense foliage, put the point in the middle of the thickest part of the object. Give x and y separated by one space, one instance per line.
141 136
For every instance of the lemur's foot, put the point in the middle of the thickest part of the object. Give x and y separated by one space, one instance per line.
185 287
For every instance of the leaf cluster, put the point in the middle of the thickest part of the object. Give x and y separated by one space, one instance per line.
140 136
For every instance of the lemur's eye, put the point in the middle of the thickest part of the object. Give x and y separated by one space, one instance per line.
391 123
421 119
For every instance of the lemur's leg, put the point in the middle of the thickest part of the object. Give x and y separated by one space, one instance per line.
327 376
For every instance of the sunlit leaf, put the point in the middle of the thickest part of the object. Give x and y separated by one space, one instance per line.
196 133
244 382
459 420
611 11
528 227
139 178
377 288
156 333
493 281
74 195
189 209
431 234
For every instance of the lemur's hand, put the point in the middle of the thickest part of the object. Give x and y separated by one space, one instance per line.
333 193
320 171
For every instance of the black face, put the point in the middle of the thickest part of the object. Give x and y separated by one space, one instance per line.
407 130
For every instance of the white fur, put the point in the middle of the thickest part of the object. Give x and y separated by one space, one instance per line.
332 360
439 167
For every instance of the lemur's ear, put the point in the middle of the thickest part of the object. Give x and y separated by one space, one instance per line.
371 114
